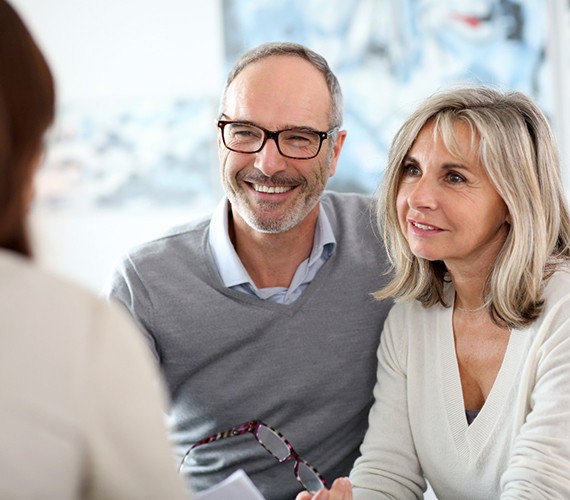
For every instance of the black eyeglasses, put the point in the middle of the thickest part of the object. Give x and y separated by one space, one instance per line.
276 444
295 143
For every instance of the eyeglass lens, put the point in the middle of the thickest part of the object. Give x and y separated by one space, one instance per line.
309 478
275 445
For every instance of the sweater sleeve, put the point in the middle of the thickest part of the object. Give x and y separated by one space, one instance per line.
388 466
127 447
540 461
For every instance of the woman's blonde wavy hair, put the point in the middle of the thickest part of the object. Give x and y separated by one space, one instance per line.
520 155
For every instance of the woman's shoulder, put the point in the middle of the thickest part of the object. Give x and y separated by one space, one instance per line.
34 299
557 287
410 319
412 309
24 275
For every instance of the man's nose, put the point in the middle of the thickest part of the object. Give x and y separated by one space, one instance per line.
269 160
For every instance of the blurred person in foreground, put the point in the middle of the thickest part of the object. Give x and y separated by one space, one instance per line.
264 312
474 361
81 413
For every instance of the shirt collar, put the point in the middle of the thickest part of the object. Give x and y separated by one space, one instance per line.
229 264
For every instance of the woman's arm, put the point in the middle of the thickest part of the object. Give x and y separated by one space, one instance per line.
388 466
540 462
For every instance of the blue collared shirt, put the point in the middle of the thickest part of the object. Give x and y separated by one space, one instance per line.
235 276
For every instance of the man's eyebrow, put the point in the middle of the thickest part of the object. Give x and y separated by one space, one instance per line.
284 127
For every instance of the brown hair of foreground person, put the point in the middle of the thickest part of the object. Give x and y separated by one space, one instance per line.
27 108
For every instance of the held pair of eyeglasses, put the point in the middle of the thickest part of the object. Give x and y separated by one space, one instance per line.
276 444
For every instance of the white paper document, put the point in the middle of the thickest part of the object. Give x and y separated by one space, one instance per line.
238 486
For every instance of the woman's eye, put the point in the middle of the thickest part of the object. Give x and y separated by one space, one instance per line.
455 178
411 170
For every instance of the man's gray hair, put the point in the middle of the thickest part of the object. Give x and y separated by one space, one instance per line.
291 49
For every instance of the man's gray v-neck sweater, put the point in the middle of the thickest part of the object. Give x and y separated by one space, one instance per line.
307 368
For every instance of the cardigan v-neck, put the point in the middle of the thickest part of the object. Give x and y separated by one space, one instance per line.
470 440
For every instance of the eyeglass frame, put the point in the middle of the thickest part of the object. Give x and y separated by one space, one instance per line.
252 427
274 134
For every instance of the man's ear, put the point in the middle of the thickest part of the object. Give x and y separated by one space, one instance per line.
337 148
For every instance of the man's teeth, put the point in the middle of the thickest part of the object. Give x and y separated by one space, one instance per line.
271 189
423 226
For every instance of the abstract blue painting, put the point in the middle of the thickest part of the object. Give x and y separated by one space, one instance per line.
390 54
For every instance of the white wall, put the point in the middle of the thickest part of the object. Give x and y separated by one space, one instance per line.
559 48
128 47
119 48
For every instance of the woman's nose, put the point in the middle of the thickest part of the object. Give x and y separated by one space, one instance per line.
423 194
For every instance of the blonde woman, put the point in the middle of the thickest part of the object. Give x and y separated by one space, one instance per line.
473 381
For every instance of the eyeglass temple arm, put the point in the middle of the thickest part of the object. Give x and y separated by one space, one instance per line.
234 431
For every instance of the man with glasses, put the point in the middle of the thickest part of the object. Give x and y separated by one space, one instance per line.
263 311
